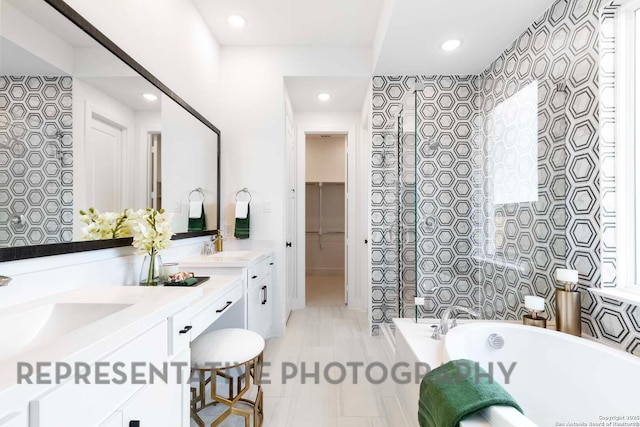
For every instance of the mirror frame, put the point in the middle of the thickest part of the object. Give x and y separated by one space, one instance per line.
36 251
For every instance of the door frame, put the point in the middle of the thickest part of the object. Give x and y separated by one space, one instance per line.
351 137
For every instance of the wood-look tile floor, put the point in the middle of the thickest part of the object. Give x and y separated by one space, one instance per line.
324 334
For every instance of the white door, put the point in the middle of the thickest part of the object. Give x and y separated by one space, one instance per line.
104 151
291 217
346 220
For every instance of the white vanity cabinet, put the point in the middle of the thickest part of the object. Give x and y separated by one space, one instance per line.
157 404
256 273
259 293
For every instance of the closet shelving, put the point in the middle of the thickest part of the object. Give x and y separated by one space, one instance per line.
325 209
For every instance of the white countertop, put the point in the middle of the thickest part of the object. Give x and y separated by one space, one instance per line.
145 307
226 259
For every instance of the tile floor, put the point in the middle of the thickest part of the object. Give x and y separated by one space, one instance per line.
326 332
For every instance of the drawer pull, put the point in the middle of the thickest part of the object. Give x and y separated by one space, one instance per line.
270 263
134 423
186 329
225 307
264 295
254 277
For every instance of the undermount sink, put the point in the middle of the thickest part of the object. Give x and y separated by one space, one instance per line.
38 325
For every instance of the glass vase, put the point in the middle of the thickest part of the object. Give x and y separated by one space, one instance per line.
150 275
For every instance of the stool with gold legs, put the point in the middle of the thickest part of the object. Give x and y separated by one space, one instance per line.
219 355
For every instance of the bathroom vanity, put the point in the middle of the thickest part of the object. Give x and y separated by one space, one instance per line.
129 326
91 327
255 269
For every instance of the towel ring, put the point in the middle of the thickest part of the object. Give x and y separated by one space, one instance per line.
244 190
197 190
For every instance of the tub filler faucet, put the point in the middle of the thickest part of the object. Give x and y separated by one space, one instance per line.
444 327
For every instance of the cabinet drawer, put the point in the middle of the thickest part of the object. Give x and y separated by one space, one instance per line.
180 331
205 317
258 272
90 404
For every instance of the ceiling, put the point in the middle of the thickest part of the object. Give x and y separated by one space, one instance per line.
417 28
326 23
17 61
128 90
55 22
347 93
404 35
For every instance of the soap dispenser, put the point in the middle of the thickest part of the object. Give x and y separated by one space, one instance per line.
218 241
536 305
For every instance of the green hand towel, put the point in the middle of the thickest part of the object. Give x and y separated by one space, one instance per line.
197 224
457 389
242 226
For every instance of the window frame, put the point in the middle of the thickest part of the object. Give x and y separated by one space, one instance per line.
627 154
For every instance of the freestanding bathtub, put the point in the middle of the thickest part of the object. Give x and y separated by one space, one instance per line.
558 379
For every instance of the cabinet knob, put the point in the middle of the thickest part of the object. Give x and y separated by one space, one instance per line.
254 277
288 244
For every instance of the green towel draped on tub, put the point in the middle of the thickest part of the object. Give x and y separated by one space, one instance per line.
457 389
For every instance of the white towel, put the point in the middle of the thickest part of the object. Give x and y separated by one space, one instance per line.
242 209
195 209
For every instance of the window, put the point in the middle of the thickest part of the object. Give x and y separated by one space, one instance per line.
627 140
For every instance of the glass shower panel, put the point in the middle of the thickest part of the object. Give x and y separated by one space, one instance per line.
524 218
490 204
407 205
384 219
448 192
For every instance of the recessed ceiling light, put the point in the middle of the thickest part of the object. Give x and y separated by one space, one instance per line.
451 44
324 97
150 97
237 21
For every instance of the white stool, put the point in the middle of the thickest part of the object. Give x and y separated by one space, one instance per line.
221 353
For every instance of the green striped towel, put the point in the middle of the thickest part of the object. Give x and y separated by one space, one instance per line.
242 226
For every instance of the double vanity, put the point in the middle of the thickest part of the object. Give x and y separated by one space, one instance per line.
86 357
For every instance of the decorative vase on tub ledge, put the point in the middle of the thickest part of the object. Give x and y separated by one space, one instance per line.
568 308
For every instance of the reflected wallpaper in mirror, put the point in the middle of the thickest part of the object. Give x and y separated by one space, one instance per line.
80 128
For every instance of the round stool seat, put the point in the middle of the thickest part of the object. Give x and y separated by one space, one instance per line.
225 347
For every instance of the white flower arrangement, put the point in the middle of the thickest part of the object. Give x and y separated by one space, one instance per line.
151 230
106 225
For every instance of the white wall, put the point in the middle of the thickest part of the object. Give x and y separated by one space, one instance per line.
325 159
189 158
170 39
167 37
253 140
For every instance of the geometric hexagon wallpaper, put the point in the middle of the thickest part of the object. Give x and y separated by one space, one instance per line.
36 160
506 250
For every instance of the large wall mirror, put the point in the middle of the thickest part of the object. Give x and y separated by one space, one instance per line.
83 125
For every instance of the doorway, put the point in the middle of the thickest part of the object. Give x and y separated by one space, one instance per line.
325 219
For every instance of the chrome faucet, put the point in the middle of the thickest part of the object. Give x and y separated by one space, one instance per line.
446 315
4 280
